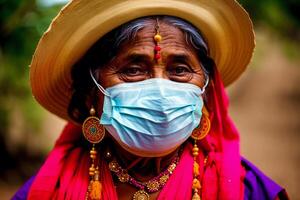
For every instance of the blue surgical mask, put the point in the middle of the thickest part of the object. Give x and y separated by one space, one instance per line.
151 118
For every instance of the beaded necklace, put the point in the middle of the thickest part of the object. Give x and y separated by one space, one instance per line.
145 188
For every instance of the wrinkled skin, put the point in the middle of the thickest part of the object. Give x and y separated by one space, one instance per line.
135 62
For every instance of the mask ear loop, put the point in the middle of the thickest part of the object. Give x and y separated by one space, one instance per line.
98 85
206 84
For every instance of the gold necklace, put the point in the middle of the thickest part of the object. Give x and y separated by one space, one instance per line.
145 188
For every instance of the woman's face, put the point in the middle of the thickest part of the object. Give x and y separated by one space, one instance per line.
135 60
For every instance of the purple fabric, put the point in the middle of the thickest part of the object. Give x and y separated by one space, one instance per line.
257 186
23 191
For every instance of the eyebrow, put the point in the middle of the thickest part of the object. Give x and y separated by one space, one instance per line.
179 57
143 57
186 59
138 57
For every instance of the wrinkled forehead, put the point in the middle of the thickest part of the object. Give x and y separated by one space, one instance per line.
142 31
171 37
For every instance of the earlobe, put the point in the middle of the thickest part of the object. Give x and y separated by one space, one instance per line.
99 104
95 100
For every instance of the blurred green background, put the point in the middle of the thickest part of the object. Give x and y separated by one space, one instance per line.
265 102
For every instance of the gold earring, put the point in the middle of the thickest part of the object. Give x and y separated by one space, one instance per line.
204 127
94 132
198 134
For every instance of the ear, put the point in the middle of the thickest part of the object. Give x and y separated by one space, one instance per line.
95 99
207 98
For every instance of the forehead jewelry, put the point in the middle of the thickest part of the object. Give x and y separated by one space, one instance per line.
157 40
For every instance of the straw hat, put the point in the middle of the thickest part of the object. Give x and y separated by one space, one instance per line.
224 24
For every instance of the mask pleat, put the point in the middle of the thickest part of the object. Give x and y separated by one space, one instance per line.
152 116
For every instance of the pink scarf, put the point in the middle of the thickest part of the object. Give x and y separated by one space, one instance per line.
64 175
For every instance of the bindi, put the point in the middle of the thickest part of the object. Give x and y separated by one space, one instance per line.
157 40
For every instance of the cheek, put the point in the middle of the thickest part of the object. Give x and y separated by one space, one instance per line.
198 79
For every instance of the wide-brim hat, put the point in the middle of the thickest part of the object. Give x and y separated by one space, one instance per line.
224 24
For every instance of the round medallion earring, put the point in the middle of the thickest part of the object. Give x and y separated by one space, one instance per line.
93 132
202 130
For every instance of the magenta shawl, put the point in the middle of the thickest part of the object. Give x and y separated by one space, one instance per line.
64 175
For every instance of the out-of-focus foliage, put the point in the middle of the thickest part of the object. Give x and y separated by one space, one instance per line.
282 17
21 24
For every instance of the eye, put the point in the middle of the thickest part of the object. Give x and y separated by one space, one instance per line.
179 70
133 73
133 70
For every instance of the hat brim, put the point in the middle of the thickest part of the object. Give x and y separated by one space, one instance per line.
224 24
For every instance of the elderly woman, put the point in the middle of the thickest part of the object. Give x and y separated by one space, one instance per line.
141 84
